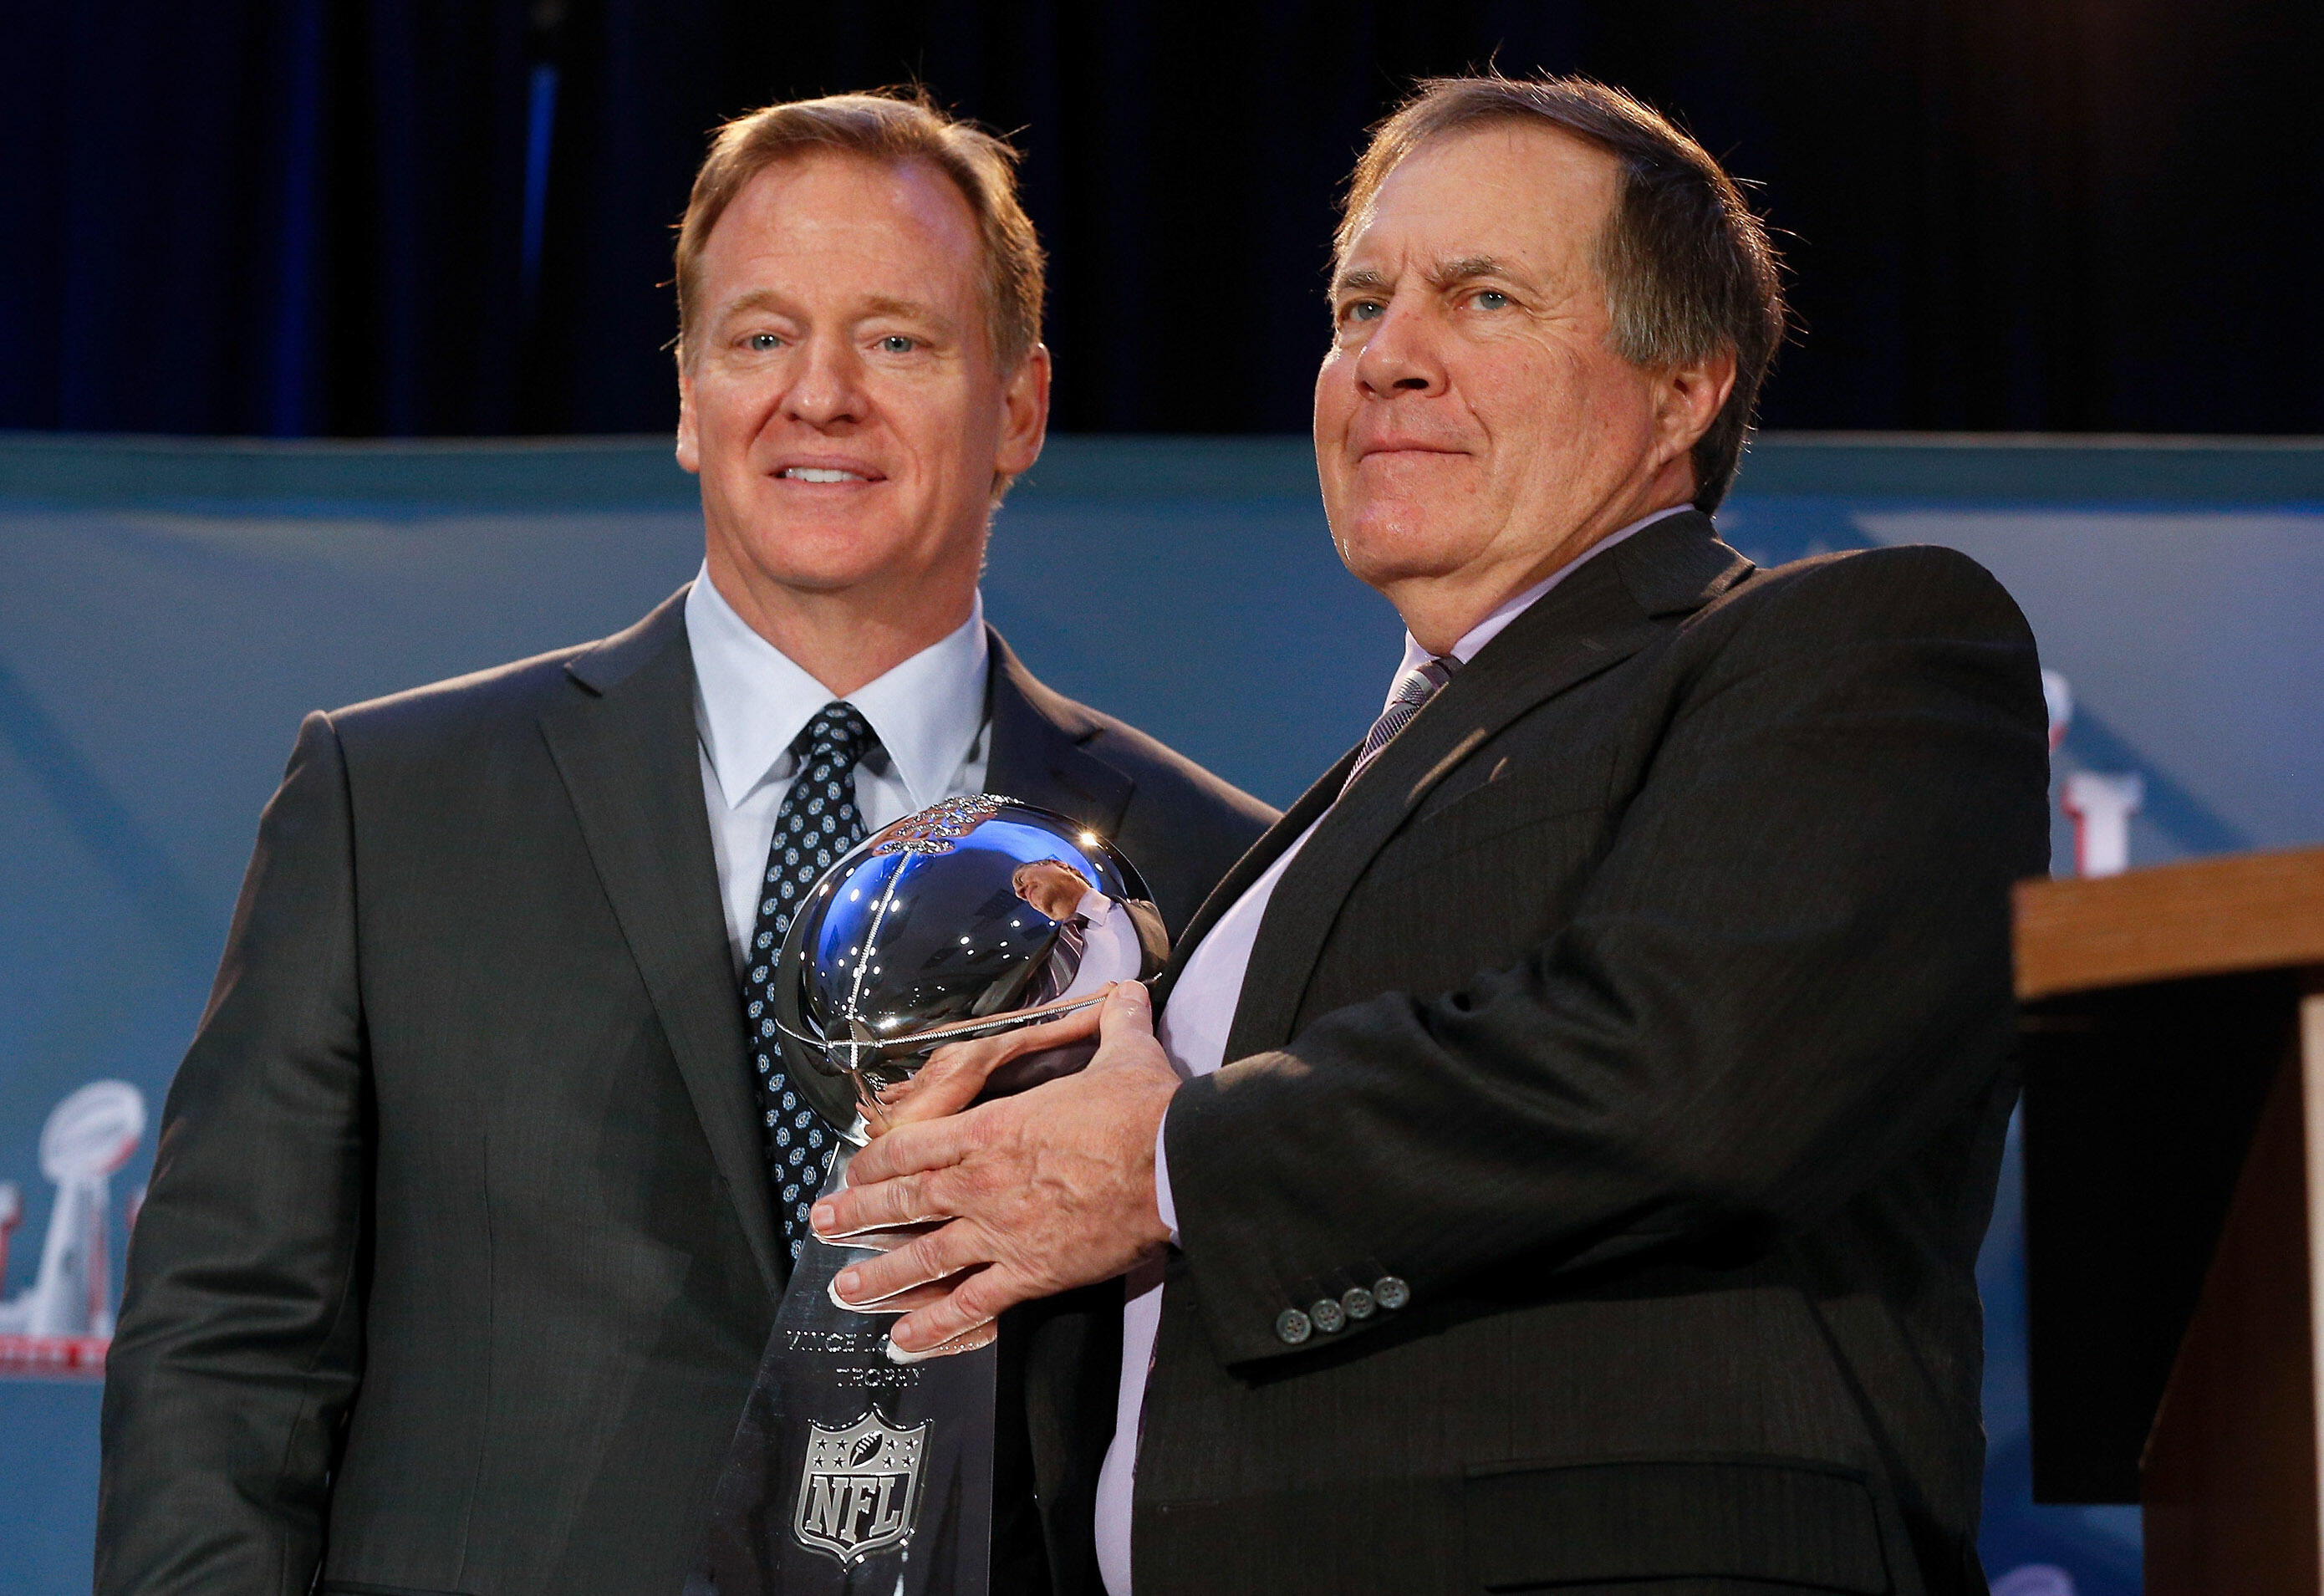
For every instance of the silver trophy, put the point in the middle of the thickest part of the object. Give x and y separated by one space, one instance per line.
975 917
853 1471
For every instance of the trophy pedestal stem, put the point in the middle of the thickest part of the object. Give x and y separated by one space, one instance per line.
850 1474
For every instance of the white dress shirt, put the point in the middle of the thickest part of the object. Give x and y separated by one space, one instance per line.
1194 1033
750 702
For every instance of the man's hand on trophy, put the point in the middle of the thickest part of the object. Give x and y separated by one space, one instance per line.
954 1075
1037 1192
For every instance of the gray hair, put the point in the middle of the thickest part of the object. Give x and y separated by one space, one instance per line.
1688 268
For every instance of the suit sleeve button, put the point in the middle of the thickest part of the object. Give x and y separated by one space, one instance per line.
1292 1327
1328 1315
1390 1292
1356 1303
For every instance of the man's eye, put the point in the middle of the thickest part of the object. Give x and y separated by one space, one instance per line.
898 343
1364 310
761 343
1492 299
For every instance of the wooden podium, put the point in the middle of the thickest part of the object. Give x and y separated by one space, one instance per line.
2173 1045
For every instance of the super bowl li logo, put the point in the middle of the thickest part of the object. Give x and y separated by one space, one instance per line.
860 1488
62 1323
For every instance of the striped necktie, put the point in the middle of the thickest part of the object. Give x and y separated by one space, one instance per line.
1413 689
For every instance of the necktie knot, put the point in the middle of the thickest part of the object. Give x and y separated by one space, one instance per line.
1412 689
838 730
1415 686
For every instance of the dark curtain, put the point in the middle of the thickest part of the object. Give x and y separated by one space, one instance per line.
393 216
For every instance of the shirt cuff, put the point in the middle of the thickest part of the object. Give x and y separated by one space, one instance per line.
1163 1205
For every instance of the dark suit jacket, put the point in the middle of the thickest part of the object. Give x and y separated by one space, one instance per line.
1645 1008
458 1256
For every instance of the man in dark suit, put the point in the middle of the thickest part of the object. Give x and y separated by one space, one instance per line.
474 1201
1566 1151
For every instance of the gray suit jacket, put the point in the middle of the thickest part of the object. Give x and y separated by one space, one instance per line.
1645 1009
459 1255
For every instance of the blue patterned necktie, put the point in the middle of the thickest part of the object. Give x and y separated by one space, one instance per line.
817 824
1413 689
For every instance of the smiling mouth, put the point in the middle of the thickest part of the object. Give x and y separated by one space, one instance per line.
821 474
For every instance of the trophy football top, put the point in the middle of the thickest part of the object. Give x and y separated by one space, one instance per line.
974 917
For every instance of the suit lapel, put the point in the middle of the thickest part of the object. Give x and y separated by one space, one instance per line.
1607 611
626 747
1037 754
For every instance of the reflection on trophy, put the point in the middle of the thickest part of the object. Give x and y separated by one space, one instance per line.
975 917
853 1470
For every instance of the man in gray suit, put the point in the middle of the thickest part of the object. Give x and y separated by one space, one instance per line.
476 1193
1564 1157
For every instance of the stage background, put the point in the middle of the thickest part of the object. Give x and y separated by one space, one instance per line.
169 610
376 217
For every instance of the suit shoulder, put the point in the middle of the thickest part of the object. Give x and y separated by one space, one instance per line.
1175 782
486 705
1184 826
1903 591
461 708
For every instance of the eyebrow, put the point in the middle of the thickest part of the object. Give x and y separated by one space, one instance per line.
767 299
1442 275
903 310
1467 269
764 299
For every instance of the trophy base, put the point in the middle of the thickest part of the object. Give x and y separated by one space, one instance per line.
849 1474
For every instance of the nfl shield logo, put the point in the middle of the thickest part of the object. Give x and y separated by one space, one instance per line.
859 1488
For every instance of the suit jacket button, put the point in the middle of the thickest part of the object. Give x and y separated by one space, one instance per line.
1328 1315
1292 1327
1356 1303
1390 1292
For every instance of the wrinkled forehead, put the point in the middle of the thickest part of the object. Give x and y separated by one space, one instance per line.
1517 191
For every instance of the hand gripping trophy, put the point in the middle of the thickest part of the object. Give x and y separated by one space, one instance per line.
856 1467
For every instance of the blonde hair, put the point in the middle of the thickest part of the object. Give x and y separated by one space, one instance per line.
891 126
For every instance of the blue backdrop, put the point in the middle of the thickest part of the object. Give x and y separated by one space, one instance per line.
169 610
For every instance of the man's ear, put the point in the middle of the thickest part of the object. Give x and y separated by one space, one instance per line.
689 439
1693 396
1024 416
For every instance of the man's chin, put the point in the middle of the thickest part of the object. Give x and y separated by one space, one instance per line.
821 559
1389 547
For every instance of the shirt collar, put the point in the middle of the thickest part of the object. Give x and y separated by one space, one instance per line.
751 700
1491 626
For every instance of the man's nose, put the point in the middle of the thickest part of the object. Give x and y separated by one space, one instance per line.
829 389
1402 355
